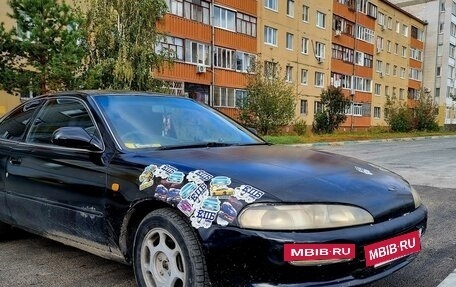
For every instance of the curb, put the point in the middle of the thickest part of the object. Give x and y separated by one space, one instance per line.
321 144
450 281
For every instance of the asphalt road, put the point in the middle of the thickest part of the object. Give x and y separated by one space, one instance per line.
28 260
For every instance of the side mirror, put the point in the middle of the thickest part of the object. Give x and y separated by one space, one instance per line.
76 137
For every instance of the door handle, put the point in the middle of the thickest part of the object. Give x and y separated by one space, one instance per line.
15 161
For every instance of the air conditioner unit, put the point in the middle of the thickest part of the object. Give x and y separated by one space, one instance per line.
200 69
319 60
338 33
379 50
380 74
383 27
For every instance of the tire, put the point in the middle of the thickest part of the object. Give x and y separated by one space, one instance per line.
167 252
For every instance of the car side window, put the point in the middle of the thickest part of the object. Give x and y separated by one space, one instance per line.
58 113
13 126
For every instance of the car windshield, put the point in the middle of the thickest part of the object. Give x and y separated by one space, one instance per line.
166 122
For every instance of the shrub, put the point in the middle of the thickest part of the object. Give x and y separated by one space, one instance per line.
300 127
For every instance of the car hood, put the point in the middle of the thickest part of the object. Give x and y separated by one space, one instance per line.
297 175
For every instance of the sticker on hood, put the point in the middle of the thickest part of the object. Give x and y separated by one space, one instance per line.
204 198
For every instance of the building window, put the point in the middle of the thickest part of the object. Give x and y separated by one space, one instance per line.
415 74
224 18
378 66
289 74
224 97
405 30
388 46
319 50
289 41
371 10
355 109
387 68
342 53
362 84
270 35
362 59
365 34
305 45
270 69
396 48
452 51
319 79
437 71
417 54
290 8
343 25
224 58
271 4
173 46
439 50
379 44
378 89
416 33
402 72
398 27
395 70
321 20
389 23
404 51
318 107
340 80
197 53
304 76
244 61
246 24
401 94
441 27
303 107
241 95
394 92
305 13
387 91
381 19
377 112
190 9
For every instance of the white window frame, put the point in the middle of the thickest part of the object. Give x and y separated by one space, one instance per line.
224 17
304 77
305 45
321 20
271 5
289 41
319 79
270 36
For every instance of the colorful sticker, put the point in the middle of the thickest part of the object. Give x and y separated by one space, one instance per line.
204 198
247 193
164 171
206 214
176 177
219 186
147 177
199 176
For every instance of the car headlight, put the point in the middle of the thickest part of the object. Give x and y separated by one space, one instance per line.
416 197
301 217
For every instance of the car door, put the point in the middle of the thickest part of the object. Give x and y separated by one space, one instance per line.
55 190
12 131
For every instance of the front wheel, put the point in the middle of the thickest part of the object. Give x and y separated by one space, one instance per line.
167 252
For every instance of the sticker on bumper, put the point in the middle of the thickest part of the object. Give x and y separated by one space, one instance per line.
394 248
323 251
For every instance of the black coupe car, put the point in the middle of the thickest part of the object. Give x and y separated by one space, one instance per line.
191 198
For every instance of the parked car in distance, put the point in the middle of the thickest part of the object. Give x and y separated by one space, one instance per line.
189 197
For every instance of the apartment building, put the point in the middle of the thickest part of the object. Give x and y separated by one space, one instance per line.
372 49
398 66
297 36
213 51
440 52
7 101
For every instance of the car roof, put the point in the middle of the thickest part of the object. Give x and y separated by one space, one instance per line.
91 93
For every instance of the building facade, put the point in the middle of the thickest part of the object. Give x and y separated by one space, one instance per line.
372 49
440 52
7 101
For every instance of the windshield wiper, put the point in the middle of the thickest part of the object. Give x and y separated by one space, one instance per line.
196 145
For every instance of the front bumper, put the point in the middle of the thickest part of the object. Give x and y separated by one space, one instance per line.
240 257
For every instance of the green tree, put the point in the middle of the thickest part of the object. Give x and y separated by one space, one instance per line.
270 101
398 116
425 113
44 51
122 36
333 114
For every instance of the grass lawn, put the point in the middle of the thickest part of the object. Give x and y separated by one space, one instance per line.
348 136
